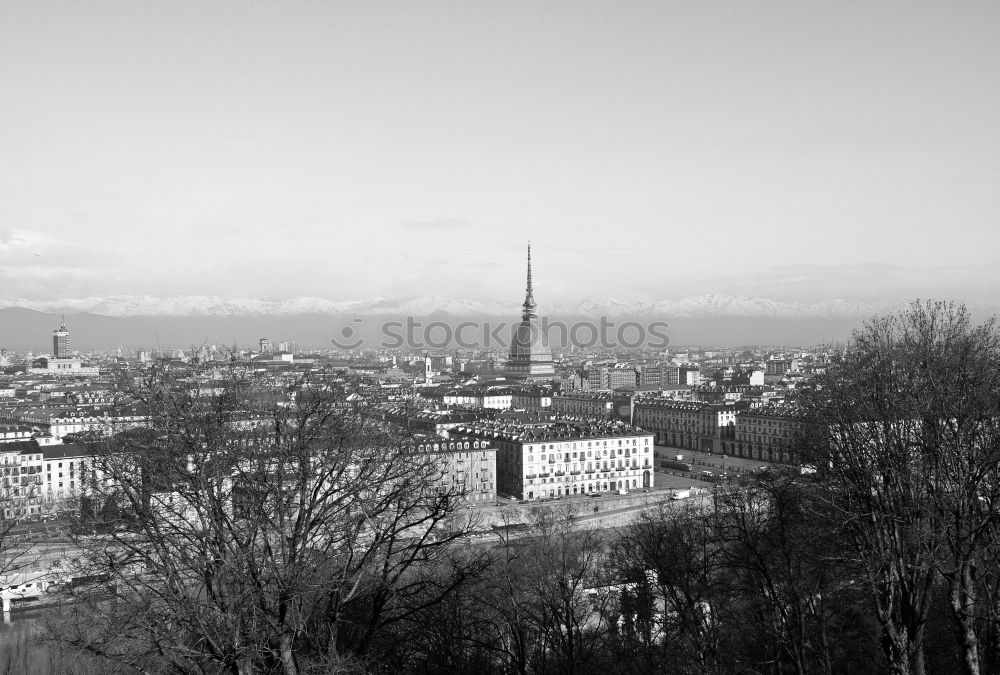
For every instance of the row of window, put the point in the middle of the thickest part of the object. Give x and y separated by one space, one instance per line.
591 487
452 446
8 471
544 472
558 456
546 481
29 491
599 444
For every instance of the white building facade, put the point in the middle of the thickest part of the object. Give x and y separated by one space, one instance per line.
563 459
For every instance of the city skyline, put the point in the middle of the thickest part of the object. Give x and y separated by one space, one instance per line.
792 153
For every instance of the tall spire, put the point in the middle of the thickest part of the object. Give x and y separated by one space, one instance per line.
529 297
530 356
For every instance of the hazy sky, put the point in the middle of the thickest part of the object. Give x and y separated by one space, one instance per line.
650 150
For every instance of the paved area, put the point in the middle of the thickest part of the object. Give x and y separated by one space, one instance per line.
709 466
680 480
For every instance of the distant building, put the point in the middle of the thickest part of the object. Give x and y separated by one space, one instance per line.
690 425
440 363
617 376
62 421
37 480
780 366
658 376
724 393
68 467
689 375
60 342
768 433
654 376
21 479
595 405
532 399
10 433
476 396
467 467
62 367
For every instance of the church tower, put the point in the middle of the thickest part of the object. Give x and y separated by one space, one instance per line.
530 356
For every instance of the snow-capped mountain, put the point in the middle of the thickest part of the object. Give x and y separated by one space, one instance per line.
702 306
717 304
197 305
428 306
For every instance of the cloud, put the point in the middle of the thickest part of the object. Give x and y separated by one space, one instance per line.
44 283
23 245
870 281
605 247
37 264
17 241
439 224
208 229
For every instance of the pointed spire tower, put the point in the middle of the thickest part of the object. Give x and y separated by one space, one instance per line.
530 357
529 296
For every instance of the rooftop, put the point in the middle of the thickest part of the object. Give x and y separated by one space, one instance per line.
673 404
598 395
65 450
555 430
788 412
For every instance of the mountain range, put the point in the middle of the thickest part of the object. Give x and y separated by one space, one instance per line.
702 306
140 321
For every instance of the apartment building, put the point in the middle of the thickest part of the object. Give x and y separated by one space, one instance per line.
684 424
567 458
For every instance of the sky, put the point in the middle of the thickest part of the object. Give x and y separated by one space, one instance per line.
799 151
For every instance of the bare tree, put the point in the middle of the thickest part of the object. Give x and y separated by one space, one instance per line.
903 436
671 553
544 605
786 564
259 537
563 564
955 388
505 600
